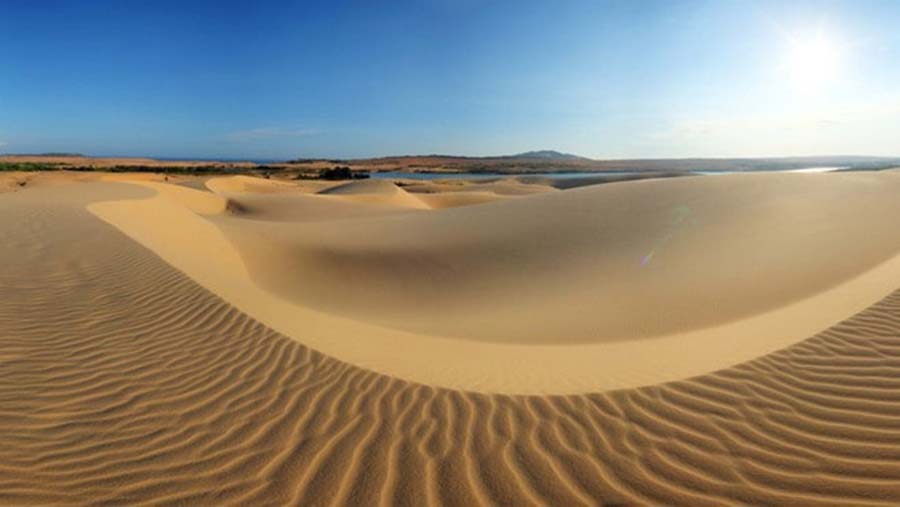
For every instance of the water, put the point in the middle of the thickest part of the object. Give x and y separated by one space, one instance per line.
816 170
804 170
562 175
485 176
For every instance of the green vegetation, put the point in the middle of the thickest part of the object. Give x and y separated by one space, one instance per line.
28 166
333 174
336 173
199 169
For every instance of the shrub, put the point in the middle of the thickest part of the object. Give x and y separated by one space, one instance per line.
341 173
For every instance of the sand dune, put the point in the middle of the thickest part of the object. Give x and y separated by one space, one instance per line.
12 181
263 200
374 192
457 199
685 274
439 194
249 184
512 186
596 260
127 383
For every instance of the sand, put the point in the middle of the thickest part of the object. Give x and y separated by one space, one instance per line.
689 275
163 344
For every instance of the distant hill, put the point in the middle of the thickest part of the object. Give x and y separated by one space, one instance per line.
548 155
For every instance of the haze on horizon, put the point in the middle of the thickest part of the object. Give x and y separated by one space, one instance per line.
649 79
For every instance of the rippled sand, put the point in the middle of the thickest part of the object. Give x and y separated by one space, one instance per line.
141 360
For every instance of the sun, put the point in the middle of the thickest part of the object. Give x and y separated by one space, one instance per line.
812 62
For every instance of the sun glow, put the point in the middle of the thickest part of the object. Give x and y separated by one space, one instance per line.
812 62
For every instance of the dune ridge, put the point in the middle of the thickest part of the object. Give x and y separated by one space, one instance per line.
500 297
627 250
125 382
375 192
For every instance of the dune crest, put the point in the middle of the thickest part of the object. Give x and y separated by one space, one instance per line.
381 192
584 280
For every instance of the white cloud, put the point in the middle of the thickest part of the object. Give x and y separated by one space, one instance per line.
257 134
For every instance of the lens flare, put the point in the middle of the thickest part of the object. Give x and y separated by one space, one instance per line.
812 61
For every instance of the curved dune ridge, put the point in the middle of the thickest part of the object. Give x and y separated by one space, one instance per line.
688 274
375 192
587 265
126 383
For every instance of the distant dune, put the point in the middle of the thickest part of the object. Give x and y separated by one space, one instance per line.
375 192
702 341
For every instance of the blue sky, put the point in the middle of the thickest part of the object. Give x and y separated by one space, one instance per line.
351 79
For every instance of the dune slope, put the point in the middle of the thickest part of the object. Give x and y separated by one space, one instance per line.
124 382
586 265
688 275
374 192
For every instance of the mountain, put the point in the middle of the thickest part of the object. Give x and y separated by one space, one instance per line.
548 155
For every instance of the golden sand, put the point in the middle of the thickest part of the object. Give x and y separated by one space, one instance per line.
730 340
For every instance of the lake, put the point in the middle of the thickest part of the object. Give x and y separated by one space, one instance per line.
485 176
481 176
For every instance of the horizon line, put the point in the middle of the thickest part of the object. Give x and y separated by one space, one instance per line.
251 158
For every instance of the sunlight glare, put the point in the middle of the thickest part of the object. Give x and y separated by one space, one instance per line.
812 62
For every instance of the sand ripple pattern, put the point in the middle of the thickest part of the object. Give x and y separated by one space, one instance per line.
124 383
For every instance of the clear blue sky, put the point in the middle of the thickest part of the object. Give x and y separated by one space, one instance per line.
347 79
